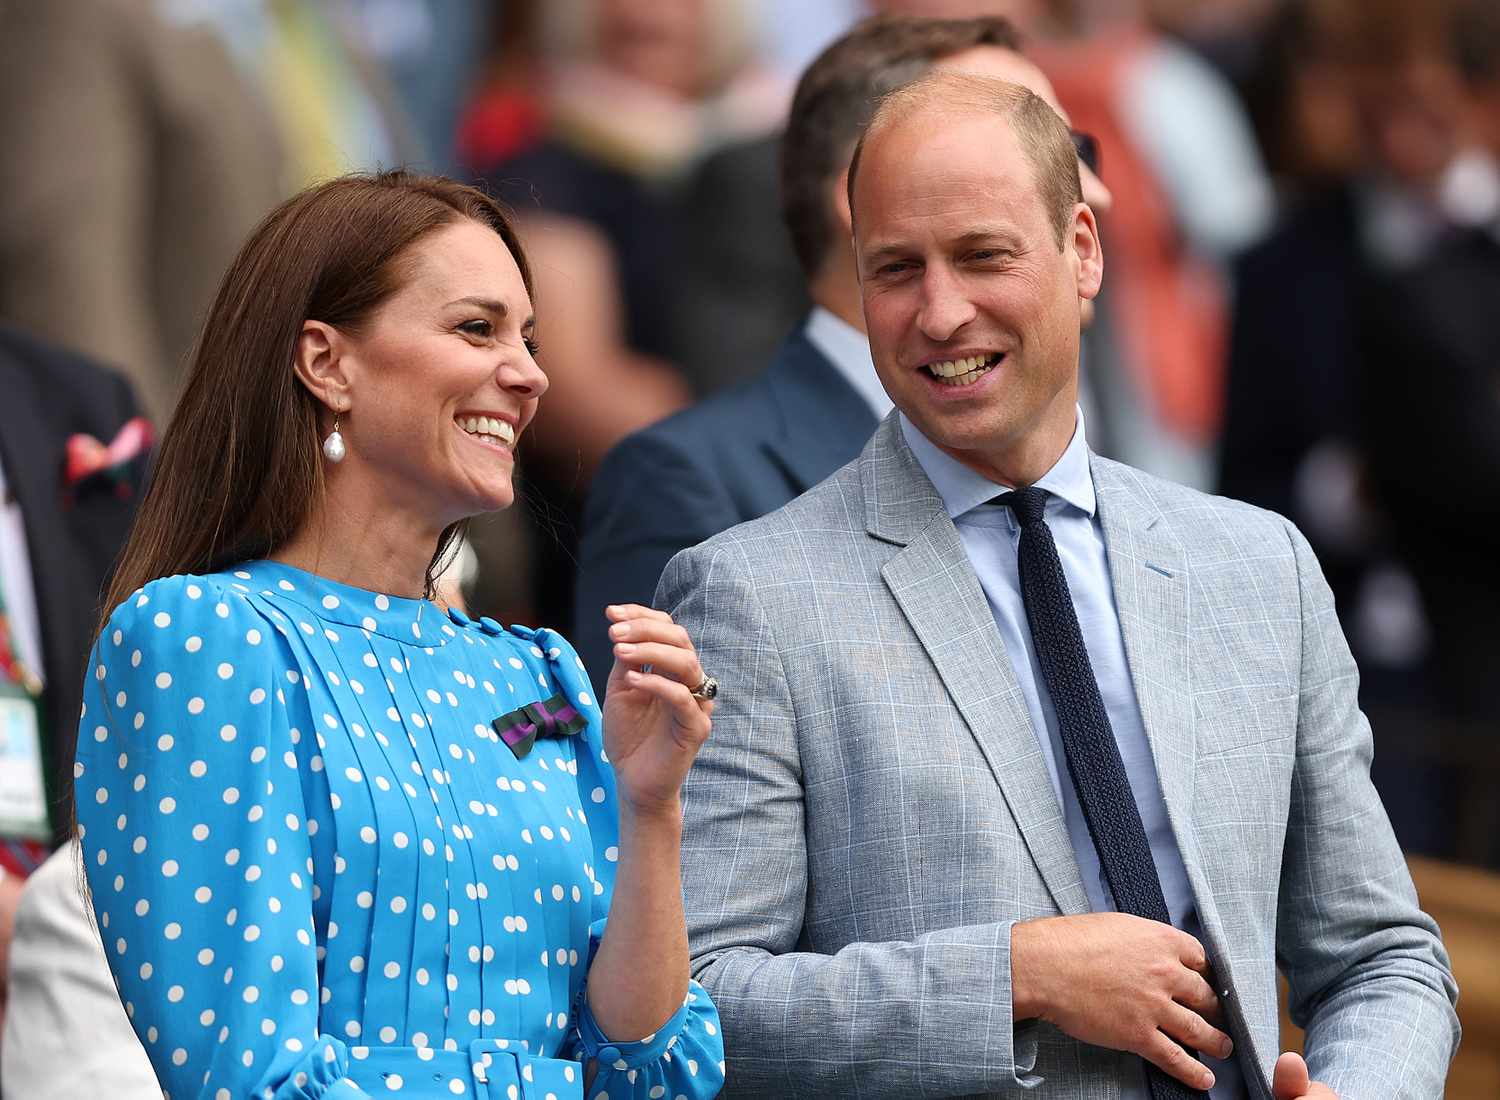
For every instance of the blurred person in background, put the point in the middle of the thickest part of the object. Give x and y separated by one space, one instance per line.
144 139
1429 434
748 451
430 52
1369 139
137 156
1300 103
73 458
504 115
1231 35
633 92
66 1033
1190 191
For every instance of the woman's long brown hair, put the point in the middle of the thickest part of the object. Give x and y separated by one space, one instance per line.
240 466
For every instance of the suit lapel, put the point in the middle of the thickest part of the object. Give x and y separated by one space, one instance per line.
937 590
824 422
1155 618
1149 575
33 458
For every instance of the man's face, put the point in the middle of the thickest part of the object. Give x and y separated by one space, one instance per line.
971 307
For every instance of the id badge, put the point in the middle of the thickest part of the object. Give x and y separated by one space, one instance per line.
23 790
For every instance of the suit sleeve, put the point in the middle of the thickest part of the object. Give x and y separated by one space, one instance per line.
650 499
928 1017
1370 979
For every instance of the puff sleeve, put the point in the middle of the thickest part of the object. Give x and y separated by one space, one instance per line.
193 773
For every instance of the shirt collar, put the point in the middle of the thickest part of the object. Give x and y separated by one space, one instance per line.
846 348
410 621
1069 481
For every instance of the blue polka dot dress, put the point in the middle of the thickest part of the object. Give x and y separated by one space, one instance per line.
319 871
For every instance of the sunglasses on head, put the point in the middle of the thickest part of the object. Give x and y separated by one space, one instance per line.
1087 147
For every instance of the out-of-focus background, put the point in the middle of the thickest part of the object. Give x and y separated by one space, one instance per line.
1302 309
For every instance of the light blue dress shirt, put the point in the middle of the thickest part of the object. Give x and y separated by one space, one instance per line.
990 536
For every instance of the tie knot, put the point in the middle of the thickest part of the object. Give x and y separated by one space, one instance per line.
1027 504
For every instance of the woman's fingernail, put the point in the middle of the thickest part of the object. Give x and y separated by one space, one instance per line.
624 649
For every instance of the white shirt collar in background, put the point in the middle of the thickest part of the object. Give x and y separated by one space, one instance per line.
846 348
16 583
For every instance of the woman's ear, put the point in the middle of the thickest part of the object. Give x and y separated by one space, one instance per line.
319 363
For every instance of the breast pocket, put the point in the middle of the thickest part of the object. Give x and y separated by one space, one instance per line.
1235 719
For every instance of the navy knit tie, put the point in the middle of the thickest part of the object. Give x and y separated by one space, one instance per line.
1094 761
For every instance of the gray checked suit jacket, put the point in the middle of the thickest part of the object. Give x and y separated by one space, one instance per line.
873 813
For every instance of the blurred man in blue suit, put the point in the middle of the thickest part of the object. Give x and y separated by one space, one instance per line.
748 451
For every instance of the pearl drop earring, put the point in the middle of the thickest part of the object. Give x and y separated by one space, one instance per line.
333 446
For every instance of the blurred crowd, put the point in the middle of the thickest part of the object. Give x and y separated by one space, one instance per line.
1303 240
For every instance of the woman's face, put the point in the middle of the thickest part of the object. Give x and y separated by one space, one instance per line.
443 380
658 42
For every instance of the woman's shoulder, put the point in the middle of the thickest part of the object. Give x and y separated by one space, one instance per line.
185 606
550 650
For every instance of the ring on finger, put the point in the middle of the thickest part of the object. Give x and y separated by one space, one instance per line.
706 690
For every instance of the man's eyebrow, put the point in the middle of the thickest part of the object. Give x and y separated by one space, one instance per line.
988 234
886 251
985 234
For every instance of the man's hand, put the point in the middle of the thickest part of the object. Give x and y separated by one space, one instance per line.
1122 982
1290 1081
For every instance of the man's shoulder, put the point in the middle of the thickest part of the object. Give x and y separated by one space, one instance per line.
61 385
737 441
693 467
827 515
1193 515
720 424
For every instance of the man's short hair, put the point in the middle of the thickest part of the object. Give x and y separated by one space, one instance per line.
1041 133
836 97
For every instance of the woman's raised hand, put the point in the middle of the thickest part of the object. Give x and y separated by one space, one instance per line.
653 723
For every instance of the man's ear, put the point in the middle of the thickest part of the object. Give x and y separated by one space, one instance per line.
838 199
1084 242
843 217
319 362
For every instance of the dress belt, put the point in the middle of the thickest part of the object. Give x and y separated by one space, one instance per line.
491 1069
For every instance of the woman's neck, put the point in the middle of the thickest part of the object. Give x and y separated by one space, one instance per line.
380 550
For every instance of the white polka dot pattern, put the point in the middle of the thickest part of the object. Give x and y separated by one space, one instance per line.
300 828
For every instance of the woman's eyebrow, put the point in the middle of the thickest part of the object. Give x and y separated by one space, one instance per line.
491 304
